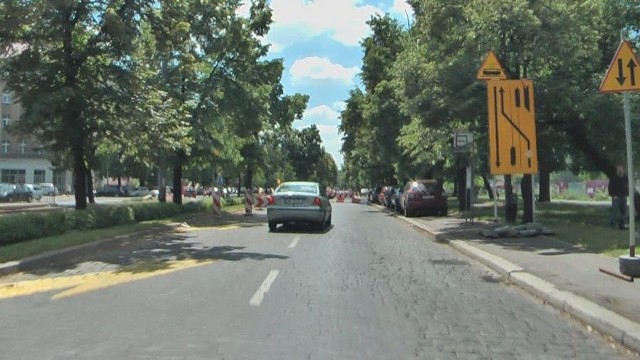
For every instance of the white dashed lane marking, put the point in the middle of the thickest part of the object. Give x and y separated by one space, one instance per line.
257 298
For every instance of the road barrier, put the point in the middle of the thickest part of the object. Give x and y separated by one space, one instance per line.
260 200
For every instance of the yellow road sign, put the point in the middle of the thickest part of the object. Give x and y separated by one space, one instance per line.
491 68
624 71
512 129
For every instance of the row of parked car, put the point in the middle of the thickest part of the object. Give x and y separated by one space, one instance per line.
26 192
421 196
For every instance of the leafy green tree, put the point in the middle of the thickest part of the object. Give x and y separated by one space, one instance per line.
306 152
66 61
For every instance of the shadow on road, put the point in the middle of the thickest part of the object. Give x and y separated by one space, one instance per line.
156 250
302 229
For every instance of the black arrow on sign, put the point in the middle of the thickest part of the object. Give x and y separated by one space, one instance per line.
621 77
495 108
506 116
632 68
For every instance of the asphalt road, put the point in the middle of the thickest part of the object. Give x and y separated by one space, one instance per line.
370 287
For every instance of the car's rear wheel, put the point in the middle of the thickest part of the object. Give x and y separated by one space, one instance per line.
407 213
272 225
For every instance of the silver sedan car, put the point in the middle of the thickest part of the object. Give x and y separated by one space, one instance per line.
299 202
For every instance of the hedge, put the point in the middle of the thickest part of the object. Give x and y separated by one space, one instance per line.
22 227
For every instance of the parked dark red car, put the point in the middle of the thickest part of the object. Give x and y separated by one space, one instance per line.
424 196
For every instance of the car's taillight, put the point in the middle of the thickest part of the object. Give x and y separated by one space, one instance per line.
317 201
271 200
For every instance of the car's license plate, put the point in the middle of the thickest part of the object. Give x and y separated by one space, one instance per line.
293 201
426 197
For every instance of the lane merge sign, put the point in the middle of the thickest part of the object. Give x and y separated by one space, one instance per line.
624 71
512 127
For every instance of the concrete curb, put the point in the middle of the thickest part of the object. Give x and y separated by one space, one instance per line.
621 329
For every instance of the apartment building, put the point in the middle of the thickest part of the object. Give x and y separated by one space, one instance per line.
21 159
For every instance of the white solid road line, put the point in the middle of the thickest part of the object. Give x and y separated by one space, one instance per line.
294 242
257 298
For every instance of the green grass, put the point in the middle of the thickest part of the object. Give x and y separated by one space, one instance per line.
586 226
38 246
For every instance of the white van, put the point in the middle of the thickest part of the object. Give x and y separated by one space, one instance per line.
48 189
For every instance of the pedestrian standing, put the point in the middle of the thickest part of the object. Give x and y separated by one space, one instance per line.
618 190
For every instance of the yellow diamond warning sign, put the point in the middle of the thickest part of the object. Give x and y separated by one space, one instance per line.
491 69
624 72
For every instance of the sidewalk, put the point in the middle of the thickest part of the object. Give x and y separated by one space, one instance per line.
558 273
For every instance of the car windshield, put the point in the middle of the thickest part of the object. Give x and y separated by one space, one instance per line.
300 188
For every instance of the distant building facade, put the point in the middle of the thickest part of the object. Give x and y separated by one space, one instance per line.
21 159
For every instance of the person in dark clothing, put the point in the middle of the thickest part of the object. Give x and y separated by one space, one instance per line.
618 190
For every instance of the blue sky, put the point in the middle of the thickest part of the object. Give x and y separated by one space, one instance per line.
319 41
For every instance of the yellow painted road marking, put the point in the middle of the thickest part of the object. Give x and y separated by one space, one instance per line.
203 228
78 284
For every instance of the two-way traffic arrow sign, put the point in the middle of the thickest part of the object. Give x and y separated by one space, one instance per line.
623 73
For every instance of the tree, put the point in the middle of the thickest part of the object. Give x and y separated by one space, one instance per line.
60 59
306 152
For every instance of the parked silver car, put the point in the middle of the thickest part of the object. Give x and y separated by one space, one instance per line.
299 202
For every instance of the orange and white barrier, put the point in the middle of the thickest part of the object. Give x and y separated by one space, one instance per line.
248 203
260 200
217 208
340 198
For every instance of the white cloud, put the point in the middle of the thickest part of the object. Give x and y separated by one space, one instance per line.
244 9
297 21
317 68
331 141
326 120
322 112
339 106
401 7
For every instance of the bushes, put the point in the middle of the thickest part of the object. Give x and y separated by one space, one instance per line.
22 227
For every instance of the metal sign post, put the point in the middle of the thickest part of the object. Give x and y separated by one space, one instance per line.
622 76
632 217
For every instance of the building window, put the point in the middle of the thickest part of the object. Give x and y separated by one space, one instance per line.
6 98
5 120
60 180
38 176
23 147
5 147
13 176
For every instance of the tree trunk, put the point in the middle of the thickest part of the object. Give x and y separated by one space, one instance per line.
239 183
487 186
162 188
249 180
177 183
79 170
92 199
545 186
527 193
510 201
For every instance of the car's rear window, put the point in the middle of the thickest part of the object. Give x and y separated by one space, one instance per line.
301 188
428 188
